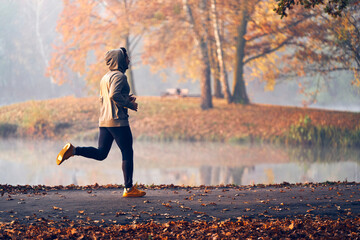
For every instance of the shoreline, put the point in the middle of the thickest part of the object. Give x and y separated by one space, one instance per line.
233 123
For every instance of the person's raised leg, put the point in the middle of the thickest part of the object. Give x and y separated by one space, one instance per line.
100 153
104 145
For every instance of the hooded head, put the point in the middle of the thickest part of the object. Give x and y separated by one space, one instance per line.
116 60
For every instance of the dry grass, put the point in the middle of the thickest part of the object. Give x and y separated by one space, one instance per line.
166 118
182 118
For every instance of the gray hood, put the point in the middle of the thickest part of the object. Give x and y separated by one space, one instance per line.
116 61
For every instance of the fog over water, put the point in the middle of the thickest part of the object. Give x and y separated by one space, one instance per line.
179 163
26 44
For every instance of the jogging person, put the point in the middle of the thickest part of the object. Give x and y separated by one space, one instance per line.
113 121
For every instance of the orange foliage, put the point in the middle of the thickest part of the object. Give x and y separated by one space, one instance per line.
89 29
274 47
303 44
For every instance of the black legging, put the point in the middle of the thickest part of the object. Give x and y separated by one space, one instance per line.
123 139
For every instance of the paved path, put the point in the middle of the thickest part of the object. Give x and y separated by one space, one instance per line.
106 206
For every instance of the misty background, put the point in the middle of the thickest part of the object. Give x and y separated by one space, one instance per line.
28 34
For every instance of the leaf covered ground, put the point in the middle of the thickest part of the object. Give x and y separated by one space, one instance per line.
300 228
279 211
167 119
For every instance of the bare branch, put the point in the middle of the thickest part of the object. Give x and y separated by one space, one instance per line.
288 26
268 51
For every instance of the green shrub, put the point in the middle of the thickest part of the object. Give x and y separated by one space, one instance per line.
308 134
8 130
60 126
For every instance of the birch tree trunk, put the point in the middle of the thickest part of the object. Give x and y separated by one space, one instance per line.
37 10
215 71
220 54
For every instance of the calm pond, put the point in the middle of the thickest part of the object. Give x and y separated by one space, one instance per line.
180 163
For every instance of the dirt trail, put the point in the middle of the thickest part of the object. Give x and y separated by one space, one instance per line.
106 206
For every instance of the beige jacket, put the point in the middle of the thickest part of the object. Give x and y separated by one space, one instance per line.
114 92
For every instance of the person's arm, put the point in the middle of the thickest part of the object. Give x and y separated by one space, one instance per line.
116 86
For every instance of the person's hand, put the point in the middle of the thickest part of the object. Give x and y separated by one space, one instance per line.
135 108
132 97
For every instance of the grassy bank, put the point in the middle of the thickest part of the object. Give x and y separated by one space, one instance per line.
181 119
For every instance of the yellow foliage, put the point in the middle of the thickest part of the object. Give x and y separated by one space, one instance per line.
274 46
92 27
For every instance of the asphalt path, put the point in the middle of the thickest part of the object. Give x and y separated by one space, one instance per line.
107 206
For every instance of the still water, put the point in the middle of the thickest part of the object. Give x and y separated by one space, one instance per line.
180 163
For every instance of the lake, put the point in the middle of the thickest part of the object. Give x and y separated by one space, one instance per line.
179 163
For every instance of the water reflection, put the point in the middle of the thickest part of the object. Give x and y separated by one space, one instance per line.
28 162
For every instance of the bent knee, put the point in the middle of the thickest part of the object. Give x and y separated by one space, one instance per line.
101 157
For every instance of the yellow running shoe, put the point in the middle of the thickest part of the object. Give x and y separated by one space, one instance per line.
65 153
133 192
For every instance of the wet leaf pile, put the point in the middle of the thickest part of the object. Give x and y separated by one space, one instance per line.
303 227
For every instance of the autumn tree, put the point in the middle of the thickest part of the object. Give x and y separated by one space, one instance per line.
215 70
220 65
198 25
89 28
331 46
269 48
200 40
260 38
179 40
243 10
249 39
188 37
331 7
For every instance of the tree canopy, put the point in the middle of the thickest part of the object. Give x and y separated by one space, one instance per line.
204 40
331 7
89 29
